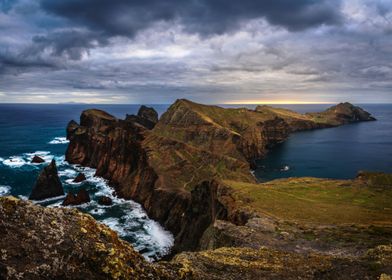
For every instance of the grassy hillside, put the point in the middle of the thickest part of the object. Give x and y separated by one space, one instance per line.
319 201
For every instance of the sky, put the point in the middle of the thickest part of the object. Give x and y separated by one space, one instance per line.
209 51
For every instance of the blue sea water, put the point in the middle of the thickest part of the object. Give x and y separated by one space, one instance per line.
338 152
37 129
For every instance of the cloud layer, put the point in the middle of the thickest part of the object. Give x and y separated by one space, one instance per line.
213 51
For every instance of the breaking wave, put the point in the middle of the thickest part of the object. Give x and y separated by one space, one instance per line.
59 140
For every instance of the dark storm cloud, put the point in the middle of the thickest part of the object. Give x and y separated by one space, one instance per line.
11 63
71 44
206 17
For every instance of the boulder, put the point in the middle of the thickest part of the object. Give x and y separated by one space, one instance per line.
105 200
80 178
37 159
48 184
81 197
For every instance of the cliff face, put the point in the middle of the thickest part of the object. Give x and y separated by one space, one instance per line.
174 168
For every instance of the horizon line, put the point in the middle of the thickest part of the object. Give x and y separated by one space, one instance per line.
227 103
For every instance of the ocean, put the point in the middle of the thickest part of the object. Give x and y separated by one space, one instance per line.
39 129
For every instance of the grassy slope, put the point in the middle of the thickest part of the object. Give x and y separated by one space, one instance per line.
319 201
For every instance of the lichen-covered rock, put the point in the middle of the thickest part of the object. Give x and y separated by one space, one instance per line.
48 184
60 243
265 263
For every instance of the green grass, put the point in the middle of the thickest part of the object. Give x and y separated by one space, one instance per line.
320 201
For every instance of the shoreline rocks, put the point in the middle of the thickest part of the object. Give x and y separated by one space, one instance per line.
48 183
37 159
105 200
81 197
79 178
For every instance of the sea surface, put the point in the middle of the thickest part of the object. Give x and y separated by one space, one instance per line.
37 129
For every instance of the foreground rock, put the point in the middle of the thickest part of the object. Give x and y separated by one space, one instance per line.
37 159
48 184
79 178
61 243
175 169
81 197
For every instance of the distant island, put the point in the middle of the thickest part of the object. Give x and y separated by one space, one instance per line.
191 171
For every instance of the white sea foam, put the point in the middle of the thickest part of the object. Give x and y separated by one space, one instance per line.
114 224
159 236
98 211
45 155
14 161
50 199
4 190
69 173
59 140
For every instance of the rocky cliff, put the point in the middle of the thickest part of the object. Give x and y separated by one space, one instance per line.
174 167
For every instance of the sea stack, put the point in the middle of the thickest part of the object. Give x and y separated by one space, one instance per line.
80 178
81 197
37 159
48 184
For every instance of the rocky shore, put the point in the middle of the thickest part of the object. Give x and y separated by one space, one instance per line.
191 172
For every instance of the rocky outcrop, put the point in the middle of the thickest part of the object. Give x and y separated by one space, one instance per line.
81 197
174 170
61 243
37 159
79 178
146 117
48 184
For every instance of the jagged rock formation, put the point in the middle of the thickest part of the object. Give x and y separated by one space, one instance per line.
37 159
79 178
146 117
62 243
48 184
174 170
81 197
